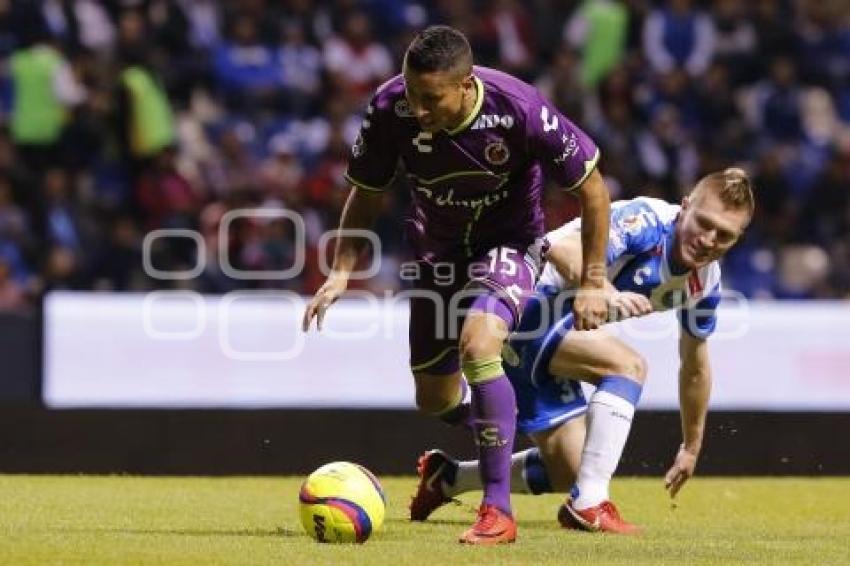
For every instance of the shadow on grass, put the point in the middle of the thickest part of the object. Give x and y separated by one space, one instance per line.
275 532
521 523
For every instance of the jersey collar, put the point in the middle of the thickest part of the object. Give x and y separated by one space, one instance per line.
479 102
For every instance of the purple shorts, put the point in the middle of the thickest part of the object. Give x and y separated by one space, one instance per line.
499 282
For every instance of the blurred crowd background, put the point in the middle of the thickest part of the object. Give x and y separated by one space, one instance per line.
118 117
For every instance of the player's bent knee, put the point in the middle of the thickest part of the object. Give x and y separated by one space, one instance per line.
633 366
479 345
477 349
482 338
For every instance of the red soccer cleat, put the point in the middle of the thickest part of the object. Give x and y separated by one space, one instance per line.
433 467
493 526
601 518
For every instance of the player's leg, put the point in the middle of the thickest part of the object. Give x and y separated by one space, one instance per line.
445 396
618 372
441 390
493 417
550 466
432 390
502 279
552 414
560 451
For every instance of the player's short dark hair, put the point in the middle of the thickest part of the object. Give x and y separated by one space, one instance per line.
732 185
439 48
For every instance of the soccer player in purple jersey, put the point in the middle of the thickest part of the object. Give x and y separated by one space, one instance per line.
476 144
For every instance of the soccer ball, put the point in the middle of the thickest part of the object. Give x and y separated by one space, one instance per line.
341 502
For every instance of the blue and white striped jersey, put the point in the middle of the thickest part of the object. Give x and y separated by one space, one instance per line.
638 258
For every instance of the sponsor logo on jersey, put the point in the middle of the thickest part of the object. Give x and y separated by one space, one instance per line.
493 121
402 109
571 147
496 153
634 223
448 198
359 147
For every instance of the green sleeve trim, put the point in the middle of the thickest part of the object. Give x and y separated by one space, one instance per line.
366 187
589 166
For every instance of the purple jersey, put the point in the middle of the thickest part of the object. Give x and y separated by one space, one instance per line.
480 185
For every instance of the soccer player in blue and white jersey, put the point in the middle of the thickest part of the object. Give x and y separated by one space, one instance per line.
660 256
476 144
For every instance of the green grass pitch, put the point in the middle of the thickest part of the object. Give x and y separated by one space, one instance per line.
116 519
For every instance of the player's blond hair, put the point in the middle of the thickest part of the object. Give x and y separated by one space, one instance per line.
732 185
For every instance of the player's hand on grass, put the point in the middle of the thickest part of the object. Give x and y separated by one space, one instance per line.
626 304
681 470
327 295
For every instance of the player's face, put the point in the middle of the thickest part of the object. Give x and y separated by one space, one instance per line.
706 230
438 99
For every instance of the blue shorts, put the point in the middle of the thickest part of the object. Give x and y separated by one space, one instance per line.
543 400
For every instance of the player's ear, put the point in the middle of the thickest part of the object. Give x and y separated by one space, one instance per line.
467 82
686 202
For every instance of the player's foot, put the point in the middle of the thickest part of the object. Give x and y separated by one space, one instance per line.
433 467
600 518
493 526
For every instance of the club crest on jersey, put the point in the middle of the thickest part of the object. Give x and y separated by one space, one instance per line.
402 109
496 153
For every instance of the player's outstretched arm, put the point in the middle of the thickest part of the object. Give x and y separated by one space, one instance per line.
694 392
360 212
590 306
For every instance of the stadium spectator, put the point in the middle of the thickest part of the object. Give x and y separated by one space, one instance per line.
356 63
281 174
165 197
507 28
736 40
246 70
679 35
45 91
666 154
671 89
301 68
561 82
232 167
598 29
12 293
